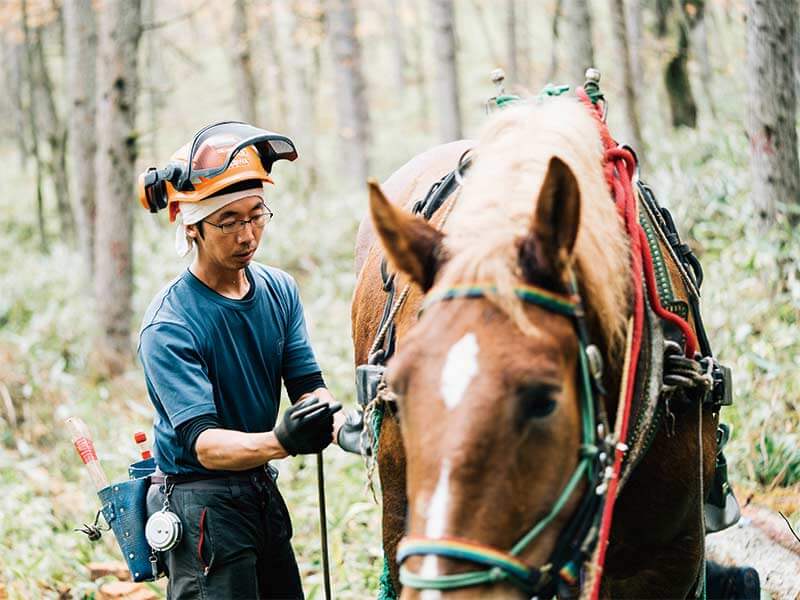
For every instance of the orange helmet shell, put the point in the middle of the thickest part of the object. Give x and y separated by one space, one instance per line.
222 155
245 166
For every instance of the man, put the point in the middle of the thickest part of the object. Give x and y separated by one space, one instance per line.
215 345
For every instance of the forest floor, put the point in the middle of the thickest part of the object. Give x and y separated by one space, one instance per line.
761 540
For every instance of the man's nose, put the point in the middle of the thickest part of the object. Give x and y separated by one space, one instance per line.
247 233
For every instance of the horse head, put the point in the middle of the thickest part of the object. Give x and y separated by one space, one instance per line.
491 382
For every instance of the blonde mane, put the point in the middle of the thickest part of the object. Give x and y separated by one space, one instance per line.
498 200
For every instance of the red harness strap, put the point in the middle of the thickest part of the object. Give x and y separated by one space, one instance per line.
619 167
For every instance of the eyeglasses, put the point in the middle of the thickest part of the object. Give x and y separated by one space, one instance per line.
259 222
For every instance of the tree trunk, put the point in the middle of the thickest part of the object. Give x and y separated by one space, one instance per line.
772 107
351 99
511 39
699 40
55 132
399 62
524 44
487 34
552 69
447 95
80 33
117 86
157 81
663 10
292 27
620 35
797 62
14 75
635 25
578 34
679 90
33 126
244 82
272 39
421 79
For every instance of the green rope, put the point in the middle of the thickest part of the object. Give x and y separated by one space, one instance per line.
377 421
593 92
454 581
501 101
385 587
554 90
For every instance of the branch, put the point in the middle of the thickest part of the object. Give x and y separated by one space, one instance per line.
789 525
187 15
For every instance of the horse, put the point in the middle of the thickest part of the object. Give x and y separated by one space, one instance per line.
479 450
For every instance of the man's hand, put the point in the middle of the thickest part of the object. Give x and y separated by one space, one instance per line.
307 427
349 434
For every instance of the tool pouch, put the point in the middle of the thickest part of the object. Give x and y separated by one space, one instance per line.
124 507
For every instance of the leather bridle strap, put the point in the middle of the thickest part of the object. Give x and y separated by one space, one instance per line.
506 566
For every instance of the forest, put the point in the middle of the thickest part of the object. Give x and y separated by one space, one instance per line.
96 91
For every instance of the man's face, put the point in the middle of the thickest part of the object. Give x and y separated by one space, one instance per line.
230 250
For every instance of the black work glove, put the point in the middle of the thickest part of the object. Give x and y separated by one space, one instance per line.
307 427
349 436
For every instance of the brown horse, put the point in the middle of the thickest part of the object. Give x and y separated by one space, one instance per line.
487 427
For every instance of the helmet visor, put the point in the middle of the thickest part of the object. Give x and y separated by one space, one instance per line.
216 146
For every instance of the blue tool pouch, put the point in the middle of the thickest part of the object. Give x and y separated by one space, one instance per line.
124 507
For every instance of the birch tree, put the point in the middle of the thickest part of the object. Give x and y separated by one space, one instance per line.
244 81
772 106
420 72
634 23
80 40
447 95
272 45
291 25
14 75
511 39
620 35
33 126
397 30
351 100
698 34
117 86
683 108
51 126
552 69
577 31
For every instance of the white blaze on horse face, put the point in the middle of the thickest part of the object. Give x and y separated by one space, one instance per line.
436 515
460 367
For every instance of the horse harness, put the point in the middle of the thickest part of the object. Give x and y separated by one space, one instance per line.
701 373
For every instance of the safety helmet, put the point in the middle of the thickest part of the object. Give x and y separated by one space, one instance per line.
220 156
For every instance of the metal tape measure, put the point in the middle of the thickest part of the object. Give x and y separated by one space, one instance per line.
163 530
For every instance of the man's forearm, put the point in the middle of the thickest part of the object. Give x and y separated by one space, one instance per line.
228 450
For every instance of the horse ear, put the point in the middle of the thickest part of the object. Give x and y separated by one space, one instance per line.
546 251
411 243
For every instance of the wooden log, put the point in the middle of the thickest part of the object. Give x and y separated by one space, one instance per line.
101 569
125 590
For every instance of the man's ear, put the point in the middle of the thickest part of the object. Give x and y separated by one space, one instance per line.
546 250
195 232
412 245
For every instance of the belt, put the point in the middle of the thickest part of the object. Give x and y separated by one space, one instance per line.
258 474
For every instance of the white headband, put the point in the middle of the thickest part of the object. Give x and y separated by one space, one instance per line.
194 212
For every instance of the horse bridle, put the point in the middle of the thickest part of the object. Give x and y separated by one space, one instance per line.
578 538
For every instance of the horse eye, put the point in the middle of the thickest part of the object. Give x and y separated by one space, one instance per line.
537 400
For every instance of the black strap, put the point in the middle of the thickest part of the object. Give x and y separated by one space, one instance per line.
221 479
426 207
